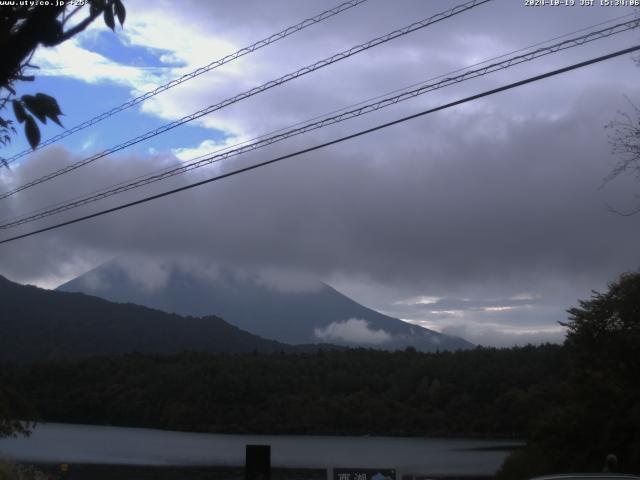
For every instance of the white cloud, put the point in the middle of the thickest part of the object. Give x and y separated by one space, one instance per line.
501 335
449 313
353 330
205 148
150 27
524 297
498 308
70 59
419 300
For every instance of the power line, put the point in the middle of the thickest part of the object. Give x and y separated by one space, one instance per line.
364 109
188 76
611 20
254 91
326 144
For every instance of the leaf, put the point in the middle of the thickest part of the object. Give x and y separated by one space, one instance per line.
121 12
108 18
56 120
50 103
35 106
32 132
49 106
18 111
43 106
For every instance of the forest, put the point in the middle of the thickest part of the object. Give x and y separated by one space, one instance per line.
484 392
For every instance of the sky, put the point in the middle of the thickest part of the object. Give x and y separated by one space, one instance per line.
487 220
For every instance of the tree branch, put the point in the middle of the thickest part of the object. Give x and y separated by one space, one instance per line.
79 27
75 10
24 41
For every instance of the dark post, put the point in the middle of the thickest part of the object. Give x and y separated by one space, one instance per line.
257 464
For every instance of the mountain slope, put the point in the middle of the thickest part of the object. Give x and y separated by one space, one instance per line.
306 315
38 324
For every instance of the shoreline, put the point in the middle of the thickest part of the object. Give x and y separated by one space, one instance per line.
95 471
507 438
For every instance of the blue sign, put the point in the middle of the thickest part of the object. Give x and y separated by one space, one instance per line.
364 474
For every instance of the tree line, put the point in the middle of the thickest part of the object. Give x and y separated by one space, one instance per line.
483 392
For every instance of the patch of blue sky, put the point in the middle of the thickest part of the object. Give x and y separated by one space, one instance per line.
80 101
116 48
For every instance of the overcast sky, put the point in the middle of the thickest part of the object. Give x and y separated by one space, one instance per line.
487 220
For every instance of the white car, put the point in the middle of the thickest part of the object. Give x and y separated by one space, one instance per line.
588 476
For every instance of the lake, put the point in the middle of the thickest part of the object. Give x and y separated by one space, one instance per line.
64 443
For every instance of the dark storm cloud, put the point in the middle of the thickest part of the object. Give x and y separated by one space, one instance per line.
483 210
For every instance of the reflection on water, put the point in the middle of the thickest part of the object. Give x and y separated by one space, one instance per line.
57 443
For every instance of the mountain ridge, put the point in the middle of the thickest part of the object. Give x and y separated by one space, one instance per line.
311 313
39 324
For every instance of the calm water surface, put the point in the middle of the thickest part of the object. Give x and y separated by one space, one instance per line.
62 443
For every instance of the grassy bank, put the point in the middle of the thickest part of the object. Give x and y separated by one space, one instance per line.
13 471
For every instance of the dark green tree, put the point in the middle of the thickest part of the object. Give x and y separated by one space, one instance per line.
604 331
14 413
599 411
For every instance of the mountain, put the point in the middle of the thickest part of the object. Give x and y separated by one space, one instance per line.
38 324
297 314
